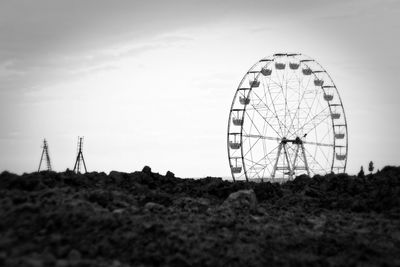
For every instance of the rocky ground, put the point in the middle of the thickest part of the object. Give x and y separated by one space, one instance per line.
148 219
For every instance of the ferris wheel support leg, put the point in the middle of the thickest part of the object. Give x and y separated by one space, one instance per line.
277 159
305 159
288 162
295 159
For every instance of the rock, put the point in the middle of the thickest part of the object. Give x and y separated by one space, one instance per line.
313 192
192 204
116 263
31 262
3 257
170 174
117 177
267 190
48 258
118 211
74 255
62 250
146 169
178 260
100 197
61 263
27 207
154 207
242 200
28 183
317 222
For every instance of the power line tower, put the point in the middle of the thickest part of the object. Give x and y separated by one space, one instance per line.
45 156
79 157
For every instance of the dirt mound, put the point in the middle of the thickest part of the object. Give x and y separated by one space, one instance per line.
144 218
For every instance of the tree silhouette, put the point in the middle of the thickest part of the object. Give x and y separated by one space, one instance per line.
371 167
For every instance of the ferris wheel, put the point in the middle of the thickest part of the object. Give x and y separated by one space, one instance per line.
286 119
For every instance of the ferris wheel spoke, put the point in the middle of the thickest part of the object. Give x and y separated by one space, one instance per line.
312 119
305 89
264 157
318 144
287 111
297 111
321 147
273 82
300 87
301 99
323 153
313 101
265 149
252 168
326 135
273 102
283 90
282 87
274 112
314 160
252 123
263 137
251 147
265 120
310 107
317 124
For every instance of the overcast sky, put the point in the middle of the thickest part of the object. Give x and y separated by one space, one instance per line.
151 82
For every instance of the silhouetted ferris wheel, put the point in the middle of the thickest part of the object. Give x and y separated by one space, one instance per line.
286 119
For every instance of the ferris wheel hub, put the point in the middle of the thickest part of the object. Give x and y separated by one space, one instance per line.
297 140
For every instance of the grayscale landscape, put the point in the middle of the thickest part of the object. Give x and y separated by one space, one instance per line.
199 133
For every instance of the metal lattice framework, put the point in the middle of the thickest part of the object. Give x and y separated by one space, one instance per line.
79 157
45 156
286 119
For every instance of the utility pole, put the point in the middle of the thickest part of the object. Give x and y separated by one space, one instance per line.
45 156
79 157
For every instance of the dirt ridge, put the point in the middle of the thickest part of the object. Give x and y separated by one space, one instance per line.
144 218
